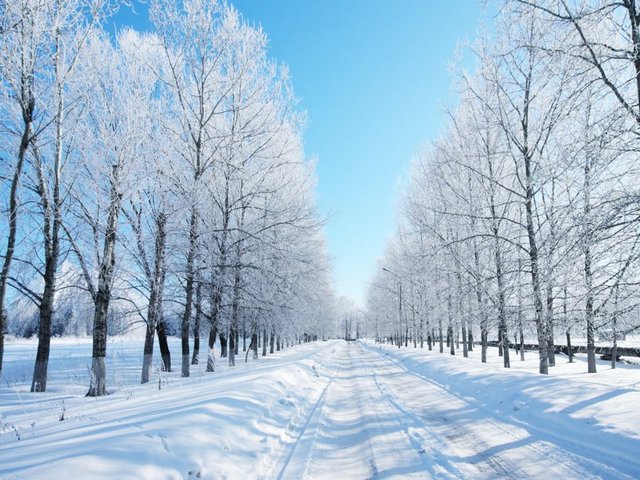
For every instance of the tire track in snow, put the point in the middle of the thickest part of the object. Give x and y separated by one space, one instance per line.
493 466
372 461
441 467
314 414
281 457
433 442
351 429
328 450
375 392
543 445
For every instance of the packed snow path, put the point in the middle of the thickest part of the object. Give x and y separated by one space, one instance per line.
352 429
376 419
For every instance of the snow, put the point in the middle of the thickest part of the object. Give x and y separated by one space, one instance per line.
521 423
215 425
355 409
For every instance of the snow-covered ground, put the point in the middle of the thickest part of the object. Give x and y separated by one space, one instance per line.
320 410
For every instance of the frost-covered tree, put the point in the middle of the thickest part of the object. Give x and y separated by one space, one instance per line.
166 172
116 132
41 45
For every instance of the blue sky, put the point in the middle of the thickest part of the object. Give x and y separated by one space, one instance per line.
373 76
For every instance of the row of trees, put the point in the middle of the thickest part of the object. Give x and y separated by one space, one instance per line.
522 218
154 176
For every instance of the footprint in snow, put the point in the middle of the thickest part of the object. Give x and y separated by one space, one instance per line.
165 444
163 439
285 402
518 404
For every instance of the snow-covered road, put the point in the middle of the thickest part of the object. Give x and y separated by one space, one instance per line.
353 429
377 419
351 410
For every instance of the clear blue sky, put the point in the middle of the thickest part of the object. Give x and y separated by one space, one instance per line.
373 76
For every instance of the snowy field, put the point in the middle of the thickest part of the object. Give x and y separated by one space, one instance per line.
352 409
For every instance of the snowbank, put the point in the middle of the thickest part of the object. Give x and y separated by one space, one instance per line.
218 425
595 415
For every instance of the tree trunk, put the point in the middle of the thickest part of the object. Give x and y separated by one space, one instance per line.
27 115
216 298
235 305
479 299
244 337
232 347
147 357
39 382
414 333
211 359
533 260
421 332
465 347
52 249
98 385
190 275
461 314
452 348
156 279
484 340
196 325
264 342
223 345
551 347
164 345
152 320
253 346
569 348
497 256
51 234
450 338
272 341
520 314
102 298
484 328
588 274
